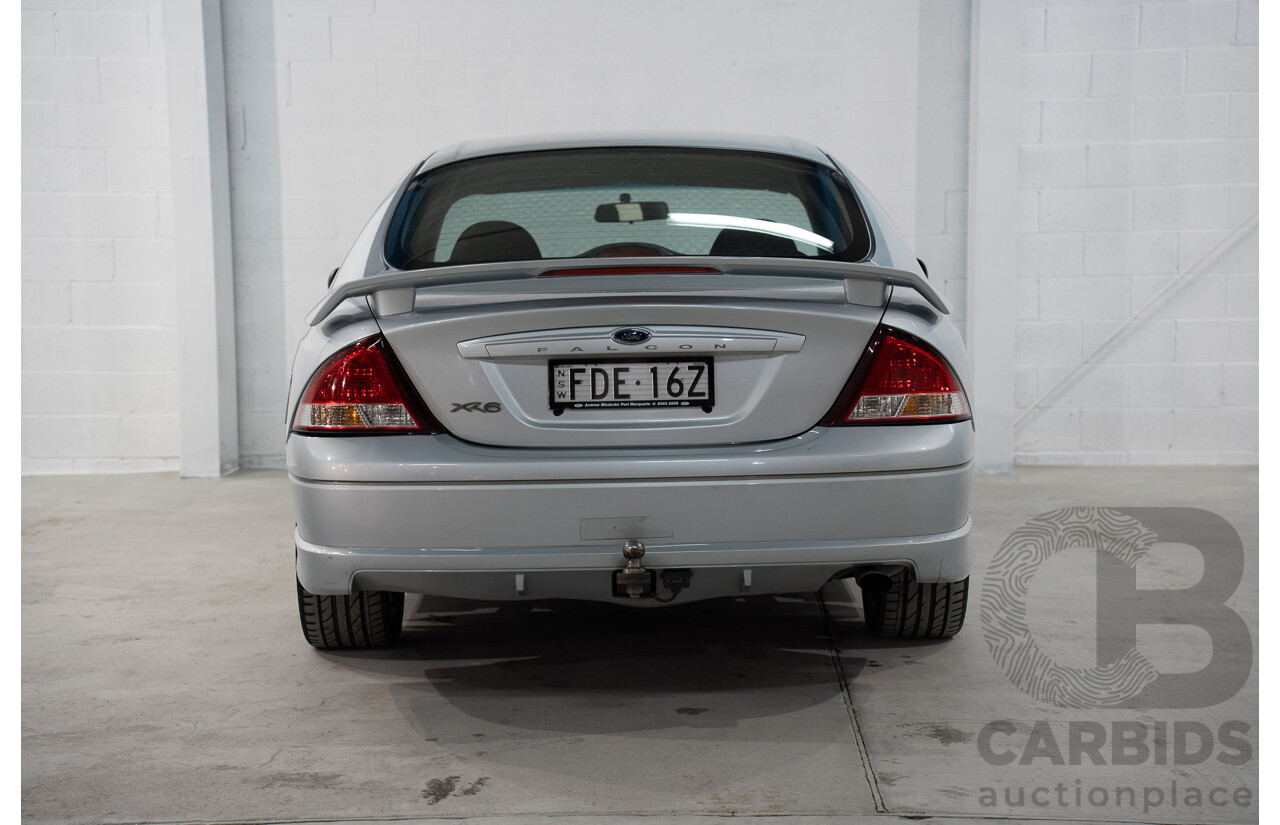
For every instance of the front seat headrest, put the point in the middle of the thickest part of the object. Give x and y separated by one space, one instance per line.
491 241
745 243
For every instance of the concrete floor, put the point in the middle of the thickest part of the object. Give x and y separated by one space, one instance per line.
165 679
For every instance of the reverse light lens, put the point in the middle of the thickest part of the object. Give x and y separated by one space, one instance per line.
356 390
346 416
907 381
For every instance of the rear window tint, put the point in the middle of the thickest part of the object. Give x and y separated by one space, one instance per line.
626 202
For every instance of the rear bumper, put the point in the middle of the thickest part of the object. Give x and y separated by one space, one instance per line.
439 516
736 569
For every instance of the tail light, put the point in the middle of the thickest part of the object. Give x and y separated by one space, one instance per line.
900 379
362 389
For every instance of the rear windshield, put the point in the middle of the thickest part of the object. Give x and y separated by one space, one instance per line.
620 202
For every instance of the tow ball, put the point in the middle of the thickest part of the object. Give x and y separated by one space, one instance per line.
636 582
633 581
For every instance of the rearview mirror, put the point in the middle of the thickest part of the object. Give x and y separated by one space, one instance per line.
628 212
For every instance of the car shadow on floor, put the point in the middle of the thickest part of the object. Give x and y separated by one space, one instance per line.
596 668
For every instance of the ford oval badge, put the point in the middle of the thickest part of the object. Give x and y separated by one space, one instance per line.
632 335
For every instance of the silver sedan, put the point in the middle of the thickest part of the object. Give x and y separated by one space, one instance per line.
634 368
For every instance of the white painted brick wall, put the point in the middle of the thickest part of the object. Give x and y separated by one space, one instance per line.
942 149
99 369
1129 178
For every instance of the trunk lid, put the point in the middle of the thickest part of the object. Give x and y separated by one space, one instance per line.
631 361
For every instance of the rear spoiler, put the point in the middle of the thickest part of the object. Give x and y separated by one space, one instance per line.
393 291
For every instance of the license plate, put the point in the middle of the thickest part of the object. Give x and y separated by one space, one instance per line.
625 384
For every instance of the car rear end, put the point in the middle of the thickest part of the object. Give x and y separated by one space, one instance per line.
632 374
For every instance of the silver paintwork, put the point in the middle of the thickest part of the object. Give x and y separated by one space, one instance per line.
777 144
719 286
446 460
396 289
753 495
759 397
577 573
664 339
689 522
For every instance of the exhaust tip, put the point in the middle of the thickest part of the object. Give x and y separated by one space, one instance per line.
873 581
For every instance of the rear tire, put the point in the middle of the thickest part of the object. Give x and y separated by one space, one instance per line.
371 618
910 610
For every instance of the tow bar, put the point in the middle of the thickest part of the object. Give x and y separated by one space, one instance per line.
634 581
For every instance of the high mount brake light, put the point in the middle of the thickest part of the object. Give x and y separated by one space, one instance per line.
362 389
625 270
900 379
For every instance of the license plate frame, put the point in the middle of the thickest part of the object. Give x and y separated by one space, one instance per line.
638 366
